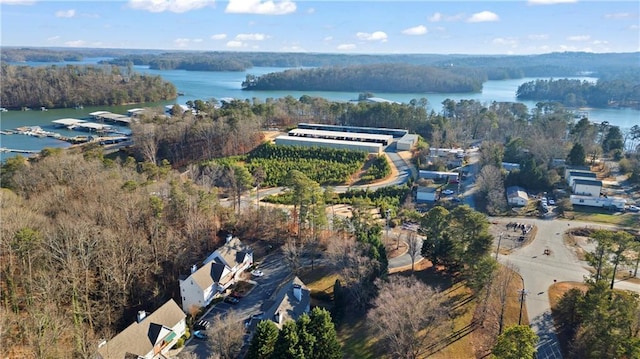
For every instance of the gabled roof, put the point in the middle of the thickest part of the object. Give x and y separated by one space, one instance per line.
515 191
232 253
139 338
203 277
286 304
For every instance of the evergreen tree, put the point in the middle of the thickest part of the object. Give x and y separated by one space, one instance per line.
326 345
263 341
576 155
287 345
306 339
516 343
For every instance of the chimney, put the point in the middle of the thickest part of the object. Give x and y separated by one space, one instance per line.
229 238
141 315
194 268
297 292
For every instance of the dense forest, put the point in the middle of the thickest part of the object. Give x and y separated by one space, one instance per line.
380 77
70 86
623 92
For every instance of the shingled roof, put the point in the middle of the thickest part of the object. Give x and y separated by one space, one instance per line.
139 338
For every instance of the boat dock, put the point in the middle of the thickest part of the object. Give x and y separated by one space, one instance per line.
106 116
14 150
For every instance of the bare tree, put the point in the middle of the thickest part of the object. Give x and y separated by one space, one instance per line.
226 335
501 290
408 315
414 247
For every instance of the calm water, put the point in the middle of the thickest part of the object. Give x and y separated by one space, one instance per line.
205 85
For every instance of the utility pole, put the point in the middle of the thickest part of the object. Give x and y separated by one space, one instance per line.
388 215
523 296
498 249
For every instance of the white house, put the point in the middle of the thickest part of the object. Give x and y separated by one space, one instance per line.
291 300
439 175
587 187
427 194
149 337
517 196
219 271
602 202
574 175
509 166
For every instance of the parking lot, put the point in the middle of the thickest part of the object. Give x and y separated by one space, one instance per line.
274 273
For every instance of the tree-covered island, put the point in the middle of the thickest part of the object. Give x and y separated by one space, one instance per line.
71 85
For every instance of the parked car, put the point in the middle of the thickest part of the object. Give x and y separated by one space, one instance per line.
257 273
231 300
199 334
633 208
202 325
552 202
447 192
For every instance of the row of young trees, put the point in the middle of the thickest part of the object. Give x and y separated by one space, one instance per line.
70 86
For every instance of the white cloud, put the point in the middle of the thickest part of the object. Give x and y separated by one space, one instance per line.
177 6
346 47
311 10
184 42
218 36
251 37
76 43
328 38
600 42
483 16
634 27
550 2
416 30
619 15
235 44
538 37
53 38
579 38
435 17
66 13
505 41
374 36
260 7
17 2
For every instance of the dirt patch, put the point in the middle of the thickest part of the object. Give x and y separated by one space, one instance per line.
271 135
393 250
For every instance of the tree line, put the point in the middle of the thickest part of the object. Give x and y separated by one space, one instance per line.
70 86
619 92
400 78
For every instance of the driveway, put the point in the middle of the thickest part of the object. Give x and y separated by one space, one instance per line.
275 272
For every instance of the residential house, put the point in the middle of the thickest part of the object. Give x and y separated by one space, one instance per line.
587 187
149 337
291 300
602 202
517 196
427 194
510 166
568 169
220 270
438 175
574 175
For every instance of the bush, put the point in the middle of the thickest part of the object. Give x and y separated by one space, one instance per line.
179 343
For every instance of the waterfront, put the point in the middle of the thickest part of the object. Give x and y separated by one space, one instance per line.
207 85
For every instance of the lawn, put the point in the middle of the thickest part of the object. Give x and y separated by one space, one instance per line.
467 339
631 220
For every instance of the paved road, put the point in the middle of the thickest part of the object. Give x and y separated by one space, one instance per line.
539 271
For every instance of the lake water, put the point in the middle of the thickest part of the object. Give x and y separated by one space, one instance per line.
205 85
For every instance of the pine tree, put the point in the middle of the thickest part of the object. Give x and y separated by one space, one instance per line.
576 155
306 340
326 344
287 344
263 341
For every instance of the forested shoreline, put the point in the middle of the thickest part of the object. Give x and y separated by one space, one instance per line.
622 92
381 77
71 85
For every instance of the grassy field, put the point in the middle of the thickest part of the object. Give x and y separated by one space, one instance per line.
469 338
631 220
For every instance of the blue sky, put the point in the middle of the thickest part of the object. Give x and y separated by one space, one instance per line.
436 27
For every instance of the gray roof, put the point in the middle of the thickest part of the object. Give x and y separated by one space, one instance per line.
140 338
286 304
582 174
233 252
588 182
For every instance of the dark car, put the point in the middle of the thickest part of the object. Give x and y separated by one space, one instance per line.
231 300
202 325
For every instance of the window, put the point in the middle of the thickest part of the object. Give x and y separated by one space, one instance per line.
582 201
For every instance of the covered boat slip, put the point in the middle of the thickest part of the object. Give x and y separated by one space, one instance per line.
81 125
107 116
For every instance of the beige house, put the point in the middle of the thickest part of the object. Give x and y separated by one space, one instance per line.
219 271
149 337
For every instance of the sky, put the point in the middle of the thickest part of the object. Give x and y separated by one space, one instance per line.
356 27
